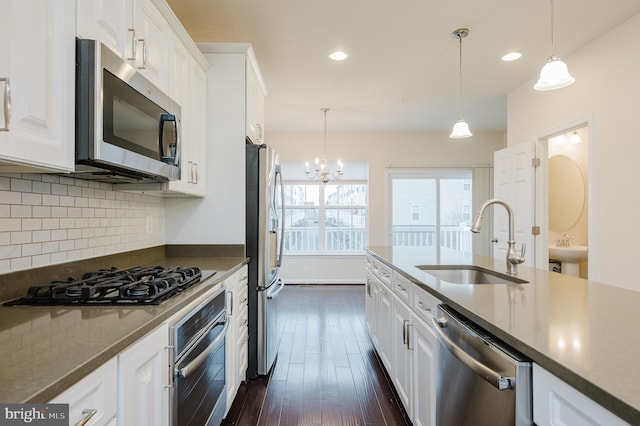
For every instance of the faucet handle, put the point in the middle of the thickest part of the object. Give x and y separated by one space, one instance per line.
522 251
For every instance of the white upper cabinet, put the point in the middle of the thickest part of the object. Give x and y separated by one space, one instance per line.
110 21
153 35
255 103
37 80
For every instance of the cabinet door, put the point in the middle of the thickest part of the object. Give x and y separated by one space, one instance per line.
557 403
402 370
385 337
230 347
110 21
198 130
424 390
154 35
143 379
37 62
98 391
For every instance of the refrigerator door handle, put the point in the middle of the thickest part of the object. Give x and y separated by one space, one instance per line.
279 259
279 283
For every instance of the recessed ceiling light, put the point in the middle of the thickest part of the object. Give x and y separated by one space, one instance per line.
512 56
338 56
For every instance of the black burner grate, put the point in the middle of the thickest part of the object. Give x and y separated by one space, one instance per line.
138 285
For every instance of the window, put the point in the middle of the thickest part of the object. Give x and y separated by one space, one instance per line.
325 218
415 212
431 208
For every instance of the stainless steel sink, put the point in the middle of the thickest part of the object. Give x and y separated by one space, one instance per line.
469 274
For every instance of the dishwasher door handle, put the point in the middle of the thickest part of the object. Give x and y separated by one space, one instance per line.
494 378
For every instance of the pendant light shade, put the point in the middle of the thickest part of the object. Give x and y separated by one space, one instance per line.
554 74
460 128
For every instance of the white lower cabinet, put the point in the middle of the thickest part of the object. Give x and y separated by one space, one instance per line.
557 403
403 347
130 389
236 342
143 381
94 398
385 326
400 329
424 391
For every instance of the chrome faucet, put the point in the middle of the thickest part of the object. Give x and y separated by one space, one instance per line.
564 242
514 258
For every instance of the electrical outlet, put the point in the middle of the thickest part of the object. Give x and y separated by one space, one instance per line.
149 227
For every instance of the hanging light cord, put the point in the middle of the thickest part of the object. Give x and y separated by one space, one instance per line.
460 78
553 51
325 131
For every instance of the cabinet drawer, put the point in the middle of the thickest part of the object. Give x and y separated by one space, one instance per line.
424 303
98 391
557 403
384 273
402 287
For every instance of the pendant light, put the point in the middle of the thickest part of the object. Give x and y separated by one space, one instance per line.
322 170
461 128
554 74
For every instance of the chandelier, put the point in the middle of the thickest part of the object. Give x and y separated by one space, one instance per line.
322 170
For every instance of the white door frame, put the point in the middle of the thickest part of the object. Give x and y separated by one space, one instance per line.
542 199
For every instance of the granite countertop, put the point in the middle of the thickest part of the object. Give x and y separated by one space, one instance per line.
47 349
582 331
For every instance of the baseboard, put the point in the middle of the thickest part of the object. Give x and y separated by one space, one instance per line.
294 281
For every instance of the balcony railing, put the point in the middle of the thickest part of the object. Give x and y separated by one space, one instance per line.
353 240
453 237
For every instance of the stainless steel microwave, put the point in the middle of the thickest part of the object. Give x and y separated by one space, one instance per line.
127 130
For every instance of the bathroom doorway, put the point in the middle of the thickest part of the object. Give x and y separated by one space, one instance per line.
567 197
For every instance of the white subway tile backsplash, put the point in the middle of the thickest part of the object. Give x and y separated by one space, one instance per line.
47 219
31 224
20 211
42 187
21 185
10 224
31 199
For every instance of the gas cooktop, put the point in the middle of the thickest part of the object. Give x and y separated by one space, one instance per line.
137 285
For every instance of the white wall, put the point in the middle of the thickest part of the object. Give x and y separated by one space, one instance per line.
219 217
47 219
380 151
608 90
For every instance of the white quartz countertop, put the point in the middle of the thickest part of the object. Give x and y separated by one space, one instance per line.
582 331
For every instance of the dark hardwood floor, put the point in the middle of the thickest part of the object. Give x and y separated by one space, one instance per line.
327 372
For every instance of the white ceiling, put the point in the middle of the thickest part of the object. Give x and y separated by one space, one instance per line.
402 70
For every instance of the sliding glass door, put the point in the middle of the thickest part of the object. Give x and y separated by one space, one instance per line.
432 209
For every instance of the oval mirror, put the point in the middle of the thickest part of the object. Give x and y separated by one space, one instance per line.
566 193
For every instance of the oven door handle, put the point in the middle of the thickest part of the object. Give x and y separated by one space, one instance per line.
494 378
197 361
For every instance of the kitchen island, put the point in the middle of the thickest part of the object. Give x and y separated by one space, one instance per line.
562 323
46 349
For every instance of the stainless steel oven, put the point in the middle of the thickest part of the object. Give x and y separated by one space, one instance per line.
198 362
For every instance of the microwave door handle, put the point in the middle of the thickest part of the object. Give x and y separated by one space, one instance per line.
166 118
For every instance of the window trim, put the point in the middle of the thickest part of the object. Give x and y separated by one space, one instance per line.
321 216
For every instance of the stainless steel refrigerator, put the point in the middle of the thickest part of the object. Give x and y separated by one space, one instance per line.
264 243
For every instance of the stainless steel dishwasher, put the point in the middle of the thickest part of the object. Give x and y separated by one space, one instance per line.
480 380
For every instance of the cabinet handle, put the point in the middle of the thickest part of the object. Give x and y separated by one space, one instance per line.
230 307
423 307
244 301
134 45
404 331
190 164
194 168
6 104
145 53
87 414
409 339
246 320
